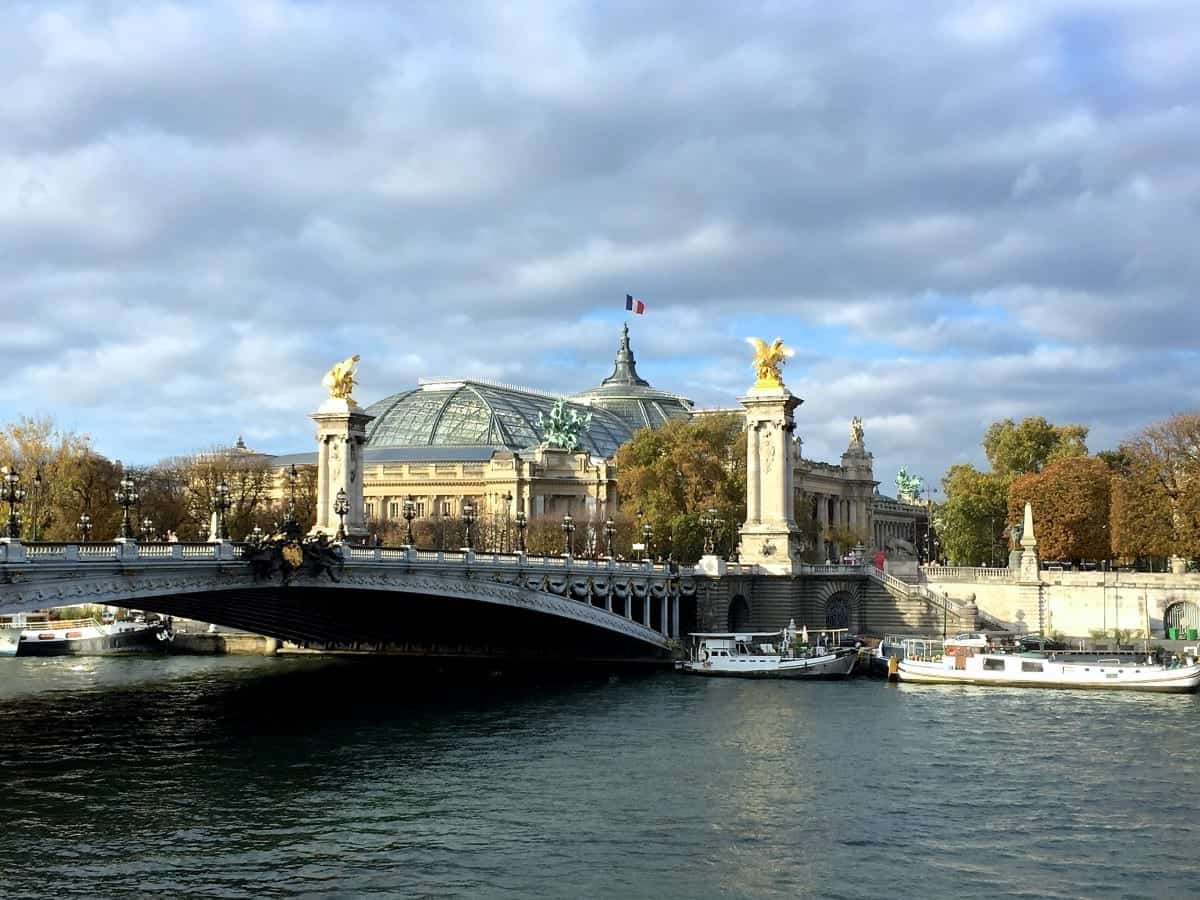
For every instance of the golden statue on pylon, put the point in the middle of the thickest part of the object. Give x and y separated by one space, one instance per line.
767 361
340 380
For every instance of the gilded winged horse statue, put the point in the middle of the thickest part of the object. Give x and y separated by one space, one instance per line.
767 361
340 379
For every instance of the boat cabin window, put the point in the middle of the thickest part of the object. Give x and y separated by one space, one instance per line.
1031 667
993 664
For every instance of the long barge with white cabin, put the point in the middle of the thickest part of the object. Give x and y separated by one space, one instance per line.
927 661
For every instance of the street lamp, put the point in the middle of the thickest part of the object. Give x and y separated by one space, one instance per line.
85 528
710 522
147 530
468 515
610 531
12 494
568 527
522 523
221 504
508 498
126 496
647 537
341 506
409 512
293 477
256 536
38 486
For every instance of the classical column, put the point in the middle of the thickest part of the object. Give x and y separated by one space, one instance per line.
664 624
629 604
675 616
753 476
769 537
646 608
341 436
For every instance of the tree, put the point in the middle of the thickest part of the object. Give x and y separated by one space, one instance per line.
1169 454
1070 499
1140 516
1016 450
971 520
672 476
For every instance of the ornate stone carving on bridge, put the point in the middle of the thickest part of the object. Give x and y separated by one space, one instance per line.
341 437
770 538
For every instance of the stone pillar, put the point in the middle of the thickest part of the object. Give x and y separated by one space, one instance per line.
629 604
664 623
1029 581
753 475
675 616
646 608
770 539
341 436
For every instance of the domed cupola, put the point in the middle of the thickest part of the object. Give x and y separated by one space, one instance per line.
631 397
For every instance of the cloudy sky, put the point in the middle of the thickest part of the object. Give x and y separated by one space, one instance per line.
954 212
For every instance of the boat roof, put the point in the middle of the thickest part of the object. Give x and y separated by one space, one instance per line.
742 635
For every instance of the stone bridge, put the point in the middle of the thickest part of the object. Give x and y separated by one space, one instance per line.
396 599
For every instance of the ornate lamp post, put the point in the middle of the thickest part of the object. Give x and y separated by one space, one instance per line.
468 515
147 530
36 515
522 524
255 537
409 513
610 531
13 494
568 527
293 477
647 537
508 498
126 496
710 522
221 504
341 506
85 528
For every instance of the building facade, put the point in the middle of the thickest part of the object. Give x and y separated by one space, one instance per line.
448 442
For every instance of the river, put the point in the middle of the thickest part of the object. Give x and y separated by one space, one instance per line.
310 777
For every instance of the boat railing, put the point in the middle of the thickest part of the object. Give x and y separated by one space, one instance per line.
924 650
54 626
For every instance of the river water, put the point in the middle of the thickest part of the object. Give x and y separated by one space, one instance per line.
311 777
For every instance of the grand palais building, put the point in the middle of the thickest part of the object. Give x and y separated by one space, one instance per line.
447 442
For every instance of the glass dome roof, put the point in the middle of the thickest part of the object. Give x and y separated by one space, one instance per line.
631 397
475 413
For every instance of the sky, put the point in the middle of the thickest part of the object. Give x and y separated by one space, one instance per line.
953 212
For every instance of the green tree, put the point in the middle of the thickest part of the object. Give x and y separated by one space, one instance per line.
1070 499
1014 449
672 476
972 518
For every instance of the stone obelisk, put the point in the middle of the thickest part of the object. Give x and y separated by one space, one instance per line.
770 539
341 437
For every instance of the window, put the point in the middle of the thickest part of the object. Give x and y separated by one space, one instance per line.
393 509
370 510
420 504
1031 667
993 664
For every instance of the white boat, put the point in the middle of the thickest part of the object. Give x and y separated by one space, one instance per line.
965 662
78 637
768 654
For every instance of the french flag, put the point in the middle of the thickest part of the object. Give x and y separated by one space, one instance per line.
633 304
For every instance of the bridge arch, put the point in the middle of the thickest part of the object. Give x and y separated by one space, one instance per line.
840 605
738 617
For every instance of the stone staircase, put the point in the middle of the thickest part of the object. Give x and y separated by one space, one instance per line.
897 606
